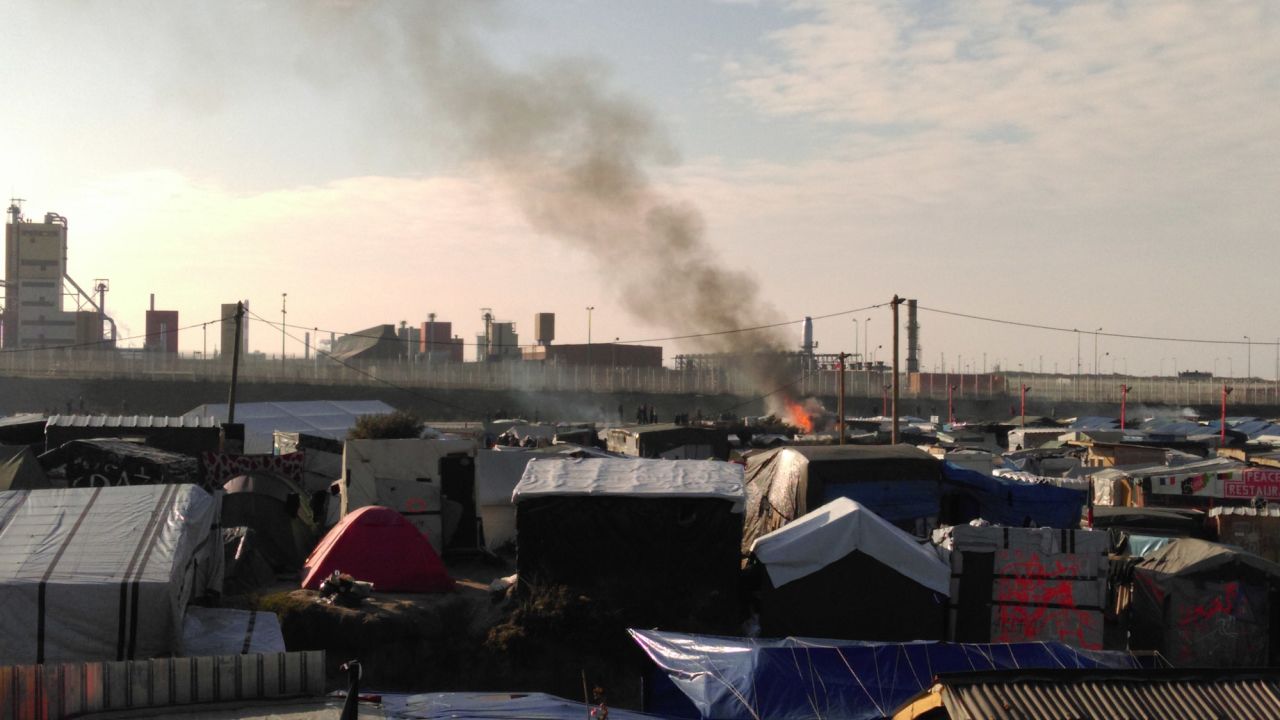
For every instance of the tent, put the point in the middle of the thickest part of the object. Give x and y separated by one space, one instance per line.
897 482
262 502
1205 605
378 545
103 573
1002 501
20 470
703 676
817 571
660 535
246 569
325 418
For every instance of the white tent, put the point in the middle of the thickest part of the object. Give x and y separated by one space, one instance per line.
103 573
838 528
323 418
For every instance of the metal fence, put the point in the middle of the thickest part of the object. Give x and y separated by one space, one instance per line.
542 377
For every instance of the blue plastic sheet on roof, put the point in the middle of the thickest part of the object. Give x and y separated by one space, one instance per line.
896 501
745 678
1011 502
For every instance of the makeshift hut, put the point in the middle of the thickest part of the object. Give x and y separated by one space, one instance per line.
187 435
1201 604
1026 584
661 535
1256 530
429 481
110 462
897 482
817 570
103 573
670 441
378 545
498 471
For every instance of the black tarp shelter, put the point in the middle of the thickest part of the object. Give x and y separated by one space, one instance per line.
1201 604
900 483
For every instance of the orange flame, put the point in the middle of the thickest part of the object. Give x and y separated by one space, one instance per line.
799 416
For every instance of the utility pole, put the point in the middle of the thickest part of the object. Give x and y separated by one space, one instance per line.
589 309
1124 401
235 365
283 298
840 404
1023 417
893 438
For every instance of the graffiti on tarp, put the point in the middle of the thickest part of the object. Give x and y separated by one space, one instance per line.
87 471
221 467
1219 625
1036 600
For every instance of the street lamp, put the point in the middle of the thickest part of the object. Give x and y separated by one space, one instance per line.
855 341
866 335
283 313
1248 373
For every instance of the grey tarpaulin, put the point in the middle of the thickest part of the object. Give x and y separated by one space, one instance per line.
103 573
227 631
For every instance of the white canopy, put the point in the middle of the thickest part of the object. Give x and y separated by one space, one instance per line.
825 535
631 478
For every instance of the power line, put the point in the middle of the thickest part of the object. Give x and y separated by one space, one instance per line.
1124 336
353 368
710 333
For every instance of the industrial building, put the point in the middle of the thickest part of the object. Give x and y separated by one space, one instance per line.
162 329
34 313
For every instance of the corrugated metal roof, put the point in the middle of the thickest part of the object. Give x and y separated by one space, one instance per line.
1111 695
132 421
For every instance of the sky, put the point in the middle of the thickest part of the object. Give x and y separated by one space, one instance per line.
1077 165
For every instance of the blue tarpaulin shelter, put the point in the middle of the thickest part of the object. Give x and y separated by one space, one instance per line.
702 676
1001 501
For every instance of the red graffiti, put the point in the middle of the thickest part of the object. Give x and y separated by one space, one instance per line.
1036 604
1221 605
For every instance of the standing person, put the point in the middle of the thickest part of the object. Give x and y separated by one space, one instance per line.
653 415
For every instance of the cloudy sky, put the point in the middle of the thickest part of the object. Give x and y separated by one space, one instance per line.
1077 165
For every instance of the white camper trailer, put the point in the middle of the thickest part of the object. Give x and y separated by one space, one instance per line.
429 481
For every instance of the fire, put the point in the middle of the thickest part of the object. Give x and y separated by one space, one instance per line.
799 416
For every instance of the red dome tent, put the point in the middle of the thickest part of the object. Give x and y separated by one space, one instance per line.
378 545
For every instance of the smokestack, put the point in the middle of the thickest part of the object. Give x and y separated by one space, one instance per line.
306 345
806 336
153 301
913 339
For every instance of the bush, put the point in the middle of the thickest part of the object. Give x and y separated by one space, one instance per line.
391 426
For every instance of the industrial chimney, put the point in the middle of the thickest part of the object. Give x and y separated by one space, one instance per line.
806 339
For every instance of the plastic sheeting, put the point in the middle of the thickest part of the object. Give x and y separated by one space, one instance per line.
838 528
743 678
1013 502
225 631
493 706
103 573
631 478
